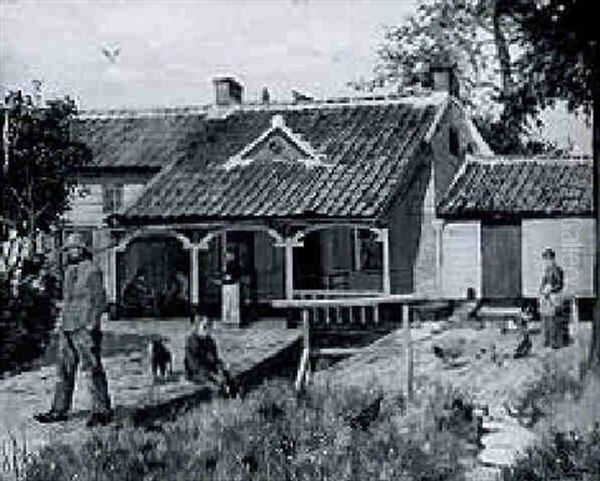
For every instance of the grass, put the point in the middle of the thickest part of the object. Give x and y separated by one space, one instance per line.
569 428
274 434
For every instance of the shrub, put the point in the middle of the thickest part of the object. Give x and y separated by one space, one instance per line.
566 456
26 322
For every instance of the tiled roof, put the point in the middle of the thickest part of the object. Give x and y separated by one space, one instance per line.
367 151
138 140
520 187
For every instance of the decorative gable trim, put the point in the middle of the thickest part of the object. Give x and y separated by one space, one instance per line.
311 157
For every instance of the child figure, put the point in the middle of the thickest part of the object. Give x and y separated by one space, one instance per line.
202 362
524 347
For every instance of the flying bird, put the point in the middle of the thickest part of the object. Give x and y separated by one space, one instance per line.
111 53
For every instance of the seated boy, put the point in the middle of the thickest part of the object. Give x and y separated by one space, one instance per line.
202 362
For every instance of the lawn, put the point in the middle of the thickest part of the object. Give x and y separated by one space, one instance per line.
351 425
275 434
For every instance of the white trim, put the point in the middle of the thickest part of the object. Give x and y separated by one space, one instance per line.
194 276
299 236
148 232
482 146
508 160
277 126
385 271
112 275
439 115
204 242
356 249
478 257
289 270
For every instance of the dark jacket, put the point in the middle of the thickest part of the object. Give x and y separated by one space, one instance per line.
201 361
553 277
84 296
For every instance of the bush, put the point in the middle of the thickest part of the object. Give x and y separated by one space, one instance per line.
273 434
566 456
26 322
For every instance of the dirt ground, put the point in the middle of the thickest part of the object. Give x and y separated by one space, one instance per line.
475 361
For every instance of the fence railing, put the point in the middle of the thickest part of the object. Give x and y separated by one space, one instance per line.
349 311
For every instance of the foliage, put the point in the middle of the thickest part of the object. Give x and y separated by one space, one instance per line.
559 39
565 456
38 159
26 319
569 423
273 434
512 58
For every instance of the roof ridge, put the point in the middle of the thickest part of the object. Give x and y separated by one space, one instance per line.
427 98
143 112
516 159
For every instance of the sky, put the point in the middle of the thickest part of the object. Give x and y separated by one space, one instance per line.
171 50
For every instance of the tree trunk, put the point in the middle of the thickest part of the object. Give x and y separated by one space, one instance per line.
595 350
502 51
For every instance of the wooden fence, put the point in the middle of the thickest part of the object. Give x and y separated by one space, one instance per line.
348 312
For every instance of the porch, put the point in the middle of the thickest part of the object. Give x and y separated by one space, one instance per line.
176 269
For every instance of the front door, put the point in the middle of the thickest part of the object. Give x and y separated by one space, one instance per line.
501 260
242 244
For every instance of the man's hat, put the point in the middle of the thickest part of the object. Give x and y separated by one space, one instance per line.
548 254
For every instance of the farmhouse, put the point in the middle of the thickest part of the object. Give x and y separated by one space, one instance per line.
499 215
335 195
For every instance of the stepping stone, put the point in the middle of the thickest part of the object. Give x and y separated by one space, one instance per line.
497 457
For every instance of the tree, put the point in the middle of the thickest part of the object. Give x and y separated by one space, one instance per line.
38 160
480 38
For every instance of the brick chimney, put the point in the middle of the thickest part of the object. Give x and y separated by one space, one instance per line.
443 76
228 91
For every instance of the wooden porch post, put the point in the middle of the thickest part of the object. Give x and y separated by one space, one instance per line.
111 273
408 350
194 280
289 270
438 225
385 245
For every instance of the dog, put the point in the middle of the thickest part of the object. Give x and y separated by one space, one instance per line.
160 359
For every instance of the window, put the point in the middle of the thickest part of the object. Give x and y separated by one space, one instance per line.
112 198
454 141
367 251
87 235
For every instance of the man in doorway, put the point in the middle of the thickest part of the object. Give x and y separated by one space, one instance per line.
231 289
551 301
80 337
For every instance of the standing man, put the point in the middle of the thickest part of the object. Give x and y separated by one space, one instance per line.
551 301
80 337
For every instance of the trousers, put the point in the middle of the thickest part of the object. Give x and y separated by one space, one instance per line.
75 347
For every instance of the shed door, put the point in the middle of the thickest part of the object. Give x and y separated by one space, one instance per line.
501 260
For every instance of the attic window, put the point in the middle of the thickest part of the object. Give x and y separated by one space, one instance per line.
112 198
453 141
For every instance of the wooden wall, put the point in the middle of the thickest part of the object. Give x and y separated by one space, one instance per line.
573 240
413 238
406 220
461 259
87 210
